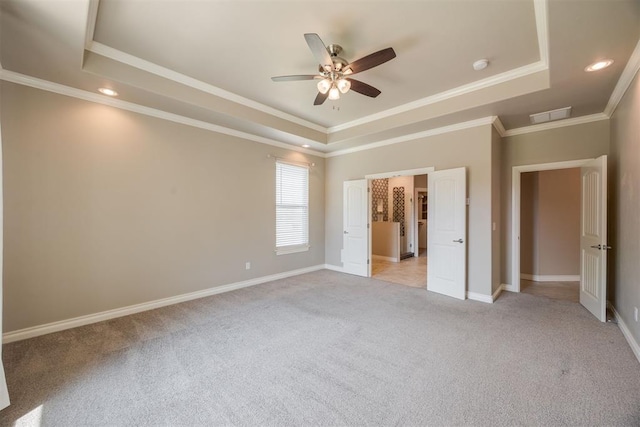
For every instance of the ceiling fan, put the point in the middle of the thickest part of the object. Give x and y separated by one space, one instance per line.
334 71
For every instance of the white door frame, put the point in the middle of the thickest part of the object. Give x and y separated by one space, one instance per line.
370 177
515 211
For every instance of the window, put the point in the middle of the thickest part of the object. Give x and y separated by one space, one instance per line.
292 208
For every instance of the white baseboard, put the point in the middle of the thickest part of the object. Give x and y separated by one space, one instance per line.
509 288
635 347
490 299
334 268
480 297
550 278
61 325
385 258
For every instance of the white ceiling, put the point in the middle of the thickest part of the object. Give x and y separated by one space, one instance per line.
211 61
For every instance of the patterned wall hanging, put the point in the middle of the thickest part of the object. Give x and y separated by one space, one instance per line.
380 195
398 208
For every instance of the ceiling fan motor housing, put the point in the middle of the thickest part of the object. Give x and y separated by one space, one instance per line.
338 62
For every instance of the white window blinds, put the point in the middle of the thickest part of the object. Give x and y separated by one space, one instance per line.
292 208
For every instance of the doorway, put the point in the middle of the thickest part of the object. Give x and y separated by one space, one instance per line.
550 233
593 230
446 233
398 232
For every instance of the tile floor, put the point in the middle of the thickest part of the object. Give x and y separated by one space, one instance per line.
409 272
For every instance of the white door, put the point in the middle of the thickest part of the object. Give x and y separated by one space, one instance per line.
593 238
446 235
355 232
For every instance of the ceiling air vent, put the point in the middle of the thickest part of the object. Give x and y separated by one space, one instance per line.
549 116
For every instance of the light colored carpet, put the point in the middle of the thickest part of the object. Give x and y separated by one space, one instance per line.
331 349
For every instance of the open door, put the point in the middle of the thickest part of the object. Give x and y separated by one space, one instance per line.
355 251
593 238
446 233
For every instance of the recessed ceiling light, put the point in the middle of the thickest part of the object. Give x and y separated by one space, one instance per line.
305 146
107 91
599 65
480 64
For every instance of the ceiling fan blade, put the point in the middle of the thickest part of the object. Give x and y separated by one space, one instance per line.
373 60
318 49
320 98
295 78
363 88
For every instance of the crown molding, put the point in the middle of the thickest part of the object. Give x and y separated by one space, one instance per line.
150 67
541 11
443 96
21 79
625 80
92 17
497 124
413 136
559 124
24 80
542 29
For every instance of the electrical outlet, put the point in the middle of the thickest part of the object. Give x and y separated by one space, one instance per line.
635 313
247 265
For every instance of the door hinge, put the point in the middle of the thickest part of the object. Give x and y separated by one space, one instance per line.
368 225
367 262
601 247
368 189
468 201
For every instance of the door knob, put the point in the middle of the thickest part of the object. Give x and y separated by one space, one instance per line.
346 232
458 241
596 247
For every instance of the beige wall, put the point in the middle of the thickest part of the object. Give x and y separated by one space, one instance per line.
106 208
585 141
558 230
528 200
385 239
624 208
470 148
550 223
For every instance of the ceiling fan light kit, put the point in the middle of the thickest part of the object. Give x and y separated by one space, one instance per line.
335 72
344 85
334 93
324 85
